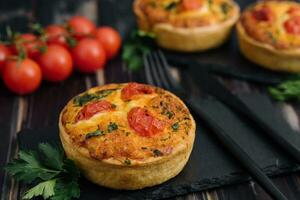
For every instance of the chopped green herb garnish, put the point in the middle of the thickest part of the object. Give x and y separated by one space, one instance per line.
86 97
94 134
175 126
144 148
127 133
225 7
113 106
164 139
53 175
83 99
127 161
272 37
171 5
112 127
104 93
157 153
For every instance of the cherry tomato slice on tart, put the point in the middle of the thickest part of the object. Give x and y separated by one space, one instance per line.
144 123
93 108
292 25
133 89
191 4
263 14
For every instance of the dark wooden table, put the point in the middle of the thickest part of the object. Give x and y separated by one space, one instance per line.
41 109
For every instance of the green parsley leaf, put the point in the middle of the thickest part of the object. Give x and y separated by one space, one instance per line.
49 169
45 189
66 190
139 44
29 168
112 127
175 126
53 157
94 134
287 90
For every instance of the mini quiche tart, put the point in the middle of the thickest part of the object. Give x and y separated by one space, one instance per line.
269 35
127 136
187 25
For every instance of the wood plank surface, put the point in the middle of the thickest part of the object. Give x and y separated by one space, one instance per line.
41 109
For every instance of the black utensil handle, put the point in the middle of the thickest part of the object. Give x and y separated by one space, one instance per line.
290 148
240 155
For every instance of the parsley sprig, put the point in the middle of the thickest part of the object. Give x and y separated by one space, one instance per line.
139 43
55 177
287 90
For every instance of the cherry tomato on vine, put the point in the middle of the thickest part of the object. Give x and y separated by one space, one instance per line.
29 43
81 26
22 77
110 39
5 52
56 63
88 55
56 34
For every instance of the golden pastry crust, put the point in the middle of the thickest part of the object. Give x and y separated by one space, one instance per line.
279 54
119 157
189 31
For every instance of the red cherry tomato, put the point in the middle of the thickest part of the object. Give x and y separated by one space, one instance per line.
191 4
133 89
143 123
88 55
56 63
81 26
56 34
30 44
22 77
263 14
5 52
292 25
93 108
110 39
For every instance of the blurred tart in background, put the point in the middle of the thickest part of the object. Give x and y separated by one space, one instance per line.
187 25
269 35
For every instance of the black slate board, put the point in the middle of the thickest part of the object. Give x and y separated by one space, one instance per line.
210 165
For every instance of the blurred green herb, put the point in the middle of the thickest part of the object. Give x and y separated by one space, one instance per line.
139 43
94 134
112 126
175 126
157 153
83 99
287 90
55 176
